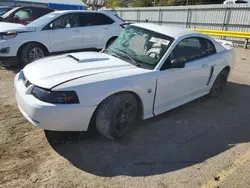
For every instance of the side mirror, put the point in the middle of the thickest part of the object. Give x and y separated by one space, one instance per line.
178 62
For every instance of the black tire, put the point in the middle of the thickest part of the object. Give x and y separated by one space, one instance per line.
116 115
27 50
219 84
110 41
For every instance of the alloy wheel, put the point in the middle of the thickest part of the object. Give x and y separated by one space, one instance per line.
35 54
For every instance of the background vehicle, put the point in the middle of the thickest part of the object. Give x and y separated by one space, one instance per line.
4 9
235 1
24 15
60 31
147 71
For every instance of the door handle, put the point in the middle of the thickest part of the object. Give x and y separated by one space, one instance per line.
204 65
76 31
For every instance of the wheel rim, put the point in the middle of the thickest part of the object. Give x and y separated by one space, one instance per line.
125 117
36 53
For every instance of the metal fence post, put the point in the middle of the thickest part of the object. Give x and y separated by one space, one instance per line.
224 19
121 14
138 15
160 17
187 21
245 44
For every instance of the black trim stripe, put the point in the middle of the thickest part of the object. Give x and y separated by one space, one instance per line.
211 74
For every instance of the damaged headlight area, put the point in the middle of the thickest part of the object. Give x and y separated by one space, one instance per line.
55 97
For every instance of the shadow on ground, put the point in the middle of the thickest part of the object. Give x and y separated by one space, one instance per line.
13 68
177 139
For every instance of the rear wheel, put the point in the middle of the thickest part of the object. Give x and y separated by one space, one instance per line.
32 52
219 84
116 115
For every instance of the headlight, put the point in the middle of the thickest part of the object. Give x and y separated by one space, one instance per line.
8 35
56 97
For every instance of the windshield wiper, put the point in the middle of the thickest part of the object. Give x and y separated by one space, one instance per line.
125 54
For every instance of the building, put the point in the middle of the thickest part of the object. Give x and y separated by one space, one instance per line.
55 4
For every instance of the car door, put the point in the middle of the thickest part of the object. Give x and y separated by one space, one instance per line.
93 28
23 16
176 86
65 33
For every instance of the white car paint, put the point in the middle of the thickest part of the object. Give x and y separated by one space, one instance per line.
96 76
235 1
225 43
5 27
58 40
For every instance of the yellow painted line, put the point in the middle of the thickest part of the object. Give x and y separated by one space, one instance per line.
228 171
236 34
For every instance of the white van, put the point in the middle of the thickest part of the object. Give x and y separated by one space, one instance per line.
235 1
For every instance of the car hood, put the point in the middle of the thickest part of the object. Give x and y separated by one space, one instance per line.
53 71
6 27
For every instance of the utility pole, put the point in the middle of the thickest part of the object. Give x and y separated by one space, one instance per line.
154 3
187 2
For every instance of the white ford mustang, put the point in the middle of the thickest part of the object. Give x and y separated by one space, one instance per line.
148 70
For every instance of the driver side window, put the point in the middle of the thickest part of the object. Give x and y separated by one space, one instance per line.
66 21
191 49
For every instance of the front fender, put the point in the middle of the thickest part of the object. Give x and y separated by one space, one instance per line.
92 94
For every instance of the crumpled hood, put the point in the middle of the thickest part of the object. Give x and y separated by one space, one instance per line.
6 27
52 71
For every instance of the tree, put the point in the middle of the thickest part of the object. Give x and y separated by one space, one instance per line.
142 3
112 3
166 2
149 3
117 3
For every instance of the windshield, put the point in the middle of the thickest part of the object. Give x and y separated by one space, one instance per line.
3 11
140 46
9 12
43 20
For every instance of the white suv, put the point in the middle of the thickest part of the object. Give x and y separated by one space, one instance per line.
60 31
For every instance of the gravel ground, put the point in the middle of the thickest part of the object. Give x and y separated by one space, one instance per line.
205 143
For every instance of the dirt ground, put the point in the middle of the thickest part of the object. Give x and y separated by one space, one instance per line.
205 143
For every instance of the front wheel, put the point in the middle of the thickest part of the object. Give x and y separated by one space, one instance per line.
219 84
110 41
32 52
116 115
